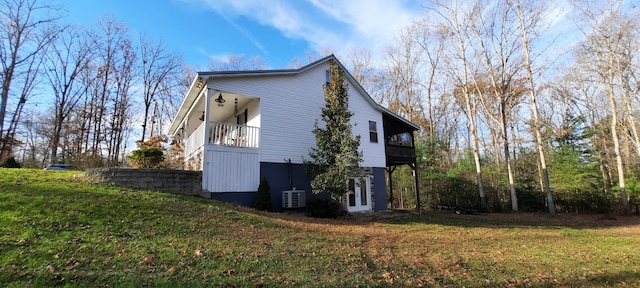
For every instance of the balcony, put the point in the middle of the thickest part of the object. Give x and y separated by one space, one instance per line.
221 134
234 135
400 154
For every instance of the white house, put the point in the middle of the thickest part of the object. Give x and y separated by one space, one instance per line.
240 126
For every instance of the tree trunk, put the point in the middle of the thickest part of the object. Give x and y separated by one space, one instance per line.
534 109
476 157
144 124
618 153
471 115
507 159
55 140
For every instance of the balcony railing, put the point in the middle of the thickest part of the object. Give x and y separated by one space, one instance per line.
400 154
228 134
194 142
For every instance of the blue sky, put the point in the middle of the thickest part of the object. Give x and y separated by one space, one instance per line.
277 30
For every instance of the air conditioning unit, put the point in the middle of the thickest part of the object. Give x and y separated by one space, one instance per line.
293 199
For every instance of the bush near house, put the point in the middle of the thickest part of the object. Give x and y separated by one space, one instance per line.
263 199
146 157
10 163
325 208
153 154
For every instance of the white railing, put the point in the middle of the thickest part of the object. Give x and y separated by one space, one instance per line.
194 141
228 134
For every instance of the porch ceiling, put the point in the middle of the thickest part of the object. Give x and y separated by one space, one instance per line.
229 107
194 104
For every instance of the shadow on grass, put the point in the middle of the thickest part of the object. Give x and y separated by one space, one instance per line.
478 220
622 279
535 220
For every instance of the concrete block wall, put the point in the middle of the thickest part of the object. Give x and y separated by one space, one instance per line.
172 181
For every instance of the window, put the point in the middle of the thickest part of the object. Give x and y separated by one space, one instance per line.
373 132
241 119
403 139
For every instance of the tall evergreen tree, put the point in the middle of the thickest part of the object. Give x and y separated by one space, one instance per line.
336 157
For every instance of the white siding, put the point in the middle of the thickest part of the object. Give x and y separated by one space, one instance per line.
231 169
289 107
372 153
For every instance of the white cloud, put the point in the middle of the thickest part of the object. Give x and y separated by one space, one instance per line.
212 57
334 24
374 22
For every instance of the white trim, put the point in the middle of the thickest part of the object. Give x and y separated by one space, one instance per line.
357 205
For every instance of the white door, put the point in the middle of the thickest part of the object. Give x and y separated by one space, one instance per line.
359 196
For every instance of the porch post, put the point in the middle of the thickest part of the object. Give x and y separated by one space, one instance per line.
415 174
205 141
207 103
414 166
390 171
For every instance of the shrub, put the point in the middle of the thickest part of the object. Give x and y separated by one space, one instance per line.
325 208
263 199
146 157
10 163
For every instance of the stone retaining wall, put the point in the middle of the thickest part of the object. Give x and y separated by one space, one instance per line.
172 181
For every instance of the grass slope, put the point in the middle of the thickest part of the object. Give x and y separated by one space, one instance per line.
56 230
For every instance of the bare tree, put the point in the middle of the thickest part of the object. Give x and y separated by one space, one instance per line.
110 38
158 66
458 19
361 68
497 44
27 83
24 34
36 134
528 27
171 95
403 65
608 29
432 40
121 101
238 62
295 63
64 63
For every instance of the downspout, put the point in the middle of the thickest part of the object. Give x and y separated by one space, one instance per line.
290 175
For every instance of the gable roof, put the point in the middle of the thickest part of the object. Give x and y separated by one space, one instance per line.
201 77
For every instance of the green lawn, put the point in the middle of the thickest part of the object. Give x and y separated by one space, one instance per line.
56 230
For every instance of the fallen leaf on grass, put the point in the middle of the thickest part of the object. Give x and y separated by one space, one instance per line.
72 263
198 253
147 260
75 240
229 272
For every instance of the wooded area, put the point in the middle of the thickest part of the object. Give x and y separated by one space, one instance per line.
516 113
